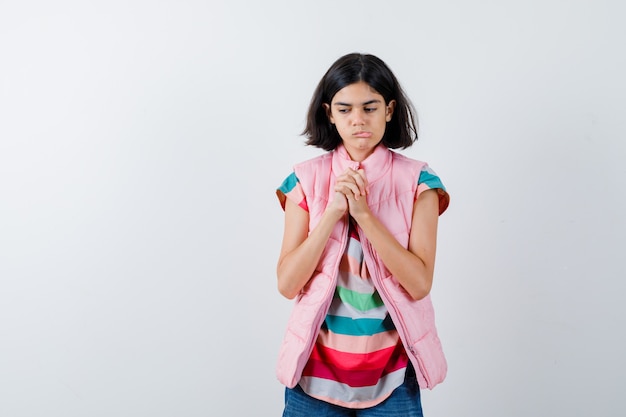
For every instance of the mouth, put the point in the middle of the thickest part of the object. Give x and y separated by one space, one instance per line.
362 134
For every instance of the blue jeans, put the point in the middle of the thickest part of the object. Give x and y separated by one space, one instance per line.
403 402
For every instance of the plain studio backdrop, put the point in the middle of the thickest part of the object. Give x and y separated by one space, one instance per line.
141 143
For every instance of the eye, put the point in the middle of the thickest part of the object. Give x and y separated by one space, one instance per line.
343 110
370 109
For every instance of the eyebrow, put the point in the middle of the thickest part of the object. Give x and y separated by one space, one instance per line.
364 104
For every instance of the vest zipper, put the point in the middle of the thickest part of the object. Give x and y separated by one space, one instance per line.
378 283
329 296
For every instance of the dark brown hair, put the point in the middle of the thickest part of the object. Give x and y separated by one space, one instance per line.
401 131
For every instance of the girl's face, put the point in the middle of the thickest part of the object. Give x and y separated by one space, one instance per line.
360 115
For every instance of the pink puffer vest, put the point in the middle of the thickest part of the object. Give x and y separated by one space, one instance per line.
392 181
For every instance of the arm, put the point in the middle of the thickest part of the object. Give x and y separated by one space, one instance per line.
301 251
412 267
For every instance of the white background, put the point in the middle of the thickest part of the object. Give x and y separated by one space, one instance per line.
141 143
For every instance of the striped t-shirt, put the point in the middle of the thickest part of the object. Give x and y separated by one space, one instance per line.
358 358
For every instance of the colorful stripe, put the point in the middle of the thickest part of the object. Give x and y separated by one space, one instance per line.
359 327
368 396
360 301
429 180
341 309
291 189
358 344
355 370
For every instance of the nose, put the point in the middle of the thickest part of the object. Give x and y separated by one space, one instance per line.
358 117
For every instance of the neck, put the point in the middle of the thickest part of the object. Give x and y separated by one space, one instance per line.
359 156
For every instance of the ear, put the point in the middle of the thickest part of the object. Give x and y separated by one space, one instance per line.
389 110
329 114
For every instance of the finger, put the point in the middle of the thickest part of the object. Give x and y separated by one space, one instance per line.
361 181
356 177
346 187
349 189
340 199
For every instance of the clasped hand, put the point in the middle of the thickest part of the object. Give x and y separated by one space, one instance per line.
351 189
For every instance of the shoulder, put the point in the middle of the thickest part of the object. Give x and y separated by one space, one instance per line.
427 178
314 162
299 182
310 169
426 175
403 160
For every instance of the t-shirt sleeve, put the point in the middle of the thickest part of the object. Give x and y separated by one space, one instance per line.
291 189
429 180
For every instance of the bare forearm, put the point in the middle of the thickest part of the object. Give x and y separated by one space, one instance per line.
412 272
296 267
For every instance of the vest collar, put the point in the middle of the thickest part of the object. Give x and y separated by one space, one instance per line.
375 165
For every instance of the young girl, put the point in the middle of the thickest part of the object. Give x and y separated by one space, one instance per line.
358 253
